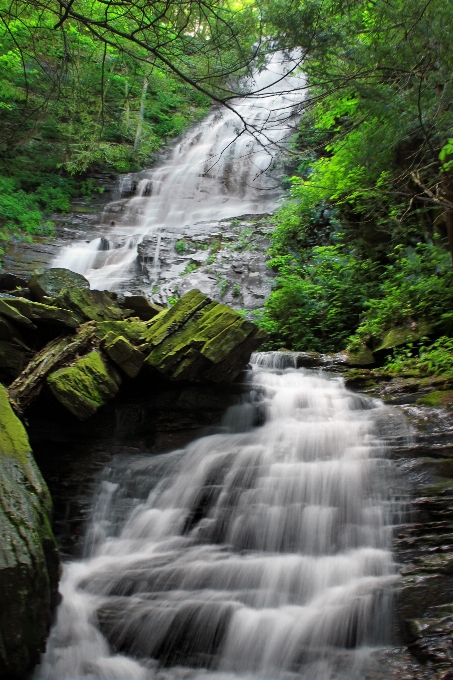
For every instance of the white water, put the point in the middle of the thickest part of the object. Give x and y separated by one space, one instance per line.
262 551
213 173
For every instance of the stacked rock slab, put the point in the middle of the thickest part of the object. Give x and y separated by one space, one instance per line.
29 561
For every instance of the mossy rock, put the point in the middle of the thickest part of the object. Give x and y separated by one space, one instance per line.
91 305
402 335
36 311
133 329
29 561
50 283
142 307
86 386
438 399
123 353
9 312
201 339
361 356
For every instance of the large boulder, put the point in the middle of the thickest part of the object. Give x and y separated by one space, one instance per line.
201 339
85 386
29 561
50 283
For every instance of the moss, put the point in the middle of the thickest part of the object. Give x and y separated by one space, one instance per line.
13 437
170 320
38 311
133 329
362 356
199 335
95 305
29 561
85 386
401 335
124 354
438 399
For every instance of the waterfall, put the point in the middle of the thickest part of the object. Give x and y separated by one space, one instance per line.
263 550
216 171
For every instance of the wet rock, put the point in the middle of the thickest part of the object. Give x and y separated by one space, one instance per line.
29 561
10 282
141 307
37 311
123 353
85 386
50 283
201 339
89 305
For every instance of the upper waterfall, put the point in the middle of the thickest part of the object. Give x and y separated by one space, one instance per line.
218 170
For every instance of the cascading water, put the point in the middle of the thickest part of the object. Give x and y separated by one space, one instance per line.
261 551
216 171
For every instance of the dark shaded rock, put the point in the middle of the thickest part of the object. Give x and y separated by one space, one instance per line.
50 283
37 311
12 359
142 307
89 305
124 354
10 281
29 561
7 330
85 386
200 339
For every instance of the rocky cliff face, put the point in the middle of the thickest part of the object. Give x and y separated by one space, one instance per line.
29 560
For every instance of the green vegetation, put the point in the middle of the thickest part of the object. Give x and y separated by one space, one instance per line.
100 86
362 242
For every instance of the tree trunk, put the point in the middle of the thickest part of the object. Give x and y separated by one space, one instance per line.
141 114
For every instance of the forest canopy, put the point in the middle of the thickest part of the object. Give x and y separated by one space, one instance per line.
362 239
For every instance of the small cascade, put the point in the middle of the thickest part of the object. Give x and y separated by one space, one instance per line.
213 173
262 551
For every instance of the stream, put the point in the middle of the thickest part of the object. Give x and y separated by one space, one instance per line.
263 550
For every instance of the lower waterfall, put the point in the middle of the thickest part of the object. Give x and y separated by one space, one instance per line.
263 550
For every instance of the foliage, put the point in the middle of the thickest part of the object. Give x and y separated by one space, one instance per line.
418 285
317 305
433 359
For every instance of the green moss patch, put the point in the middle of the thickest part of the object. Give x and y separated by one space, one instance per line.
85 386
438 399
